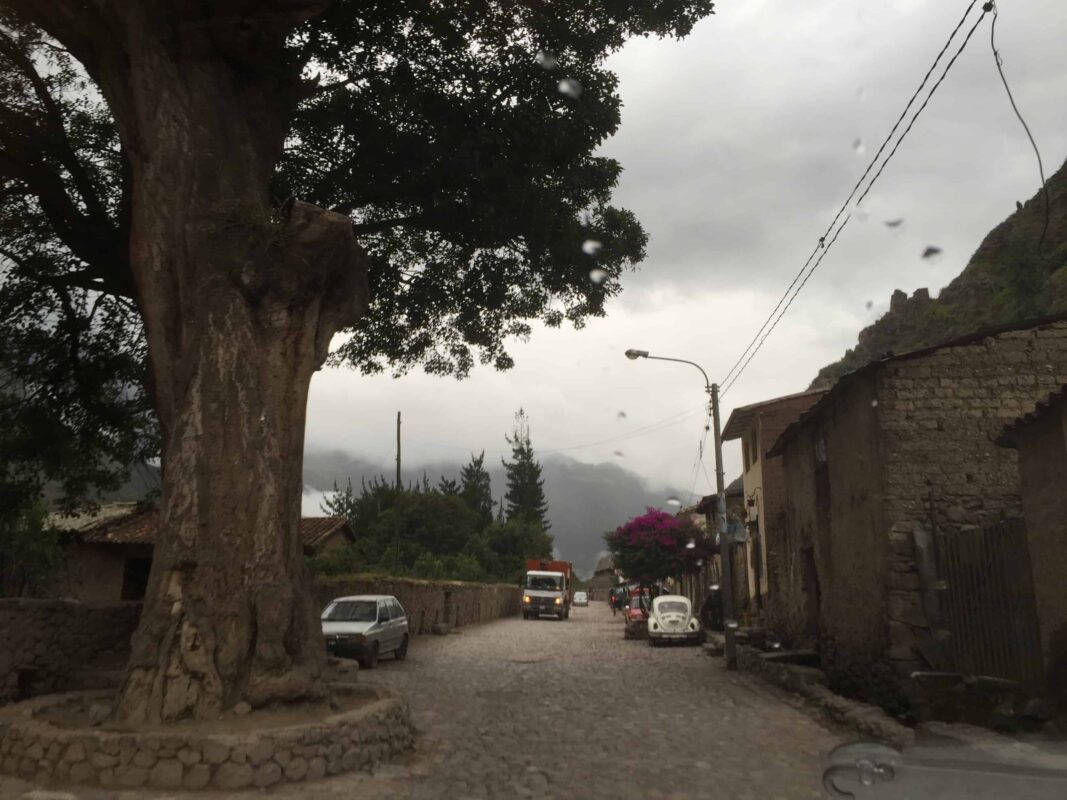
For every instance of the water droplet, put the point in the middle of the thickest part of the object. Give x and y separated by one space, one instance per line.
621 415
859 147
932 251
874 404
870 304
894 223
691 544
673 501
700 562
591 247
861 94
570 87
547 60
619 453
598 275
861 214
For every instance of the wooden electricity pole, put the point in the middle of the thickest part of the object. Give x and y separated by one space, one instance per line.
398 482
726 549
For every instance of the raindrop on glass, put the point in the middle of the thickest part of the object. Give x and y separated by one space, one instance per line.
569 87
691 544
870 304
932 251
673 501
861 94
591 247
547 60
598 276
859 147
618 453
861 214
874 404
621 415
894 223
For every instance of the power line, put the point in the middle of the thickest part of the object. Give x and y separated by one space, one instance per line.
814 267
652 427
1015 108
855 188
870 185
699 462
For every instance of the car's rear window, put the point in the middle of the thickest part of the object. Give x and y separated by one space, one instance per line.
673 607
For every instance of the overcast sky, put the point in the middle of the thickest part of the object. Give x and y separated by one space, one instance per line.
738 147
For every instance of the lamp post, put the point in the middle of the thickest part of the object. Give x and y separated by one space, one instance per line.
725 549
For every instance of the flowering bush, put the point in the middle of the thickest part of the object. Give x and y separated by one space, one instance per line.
652 547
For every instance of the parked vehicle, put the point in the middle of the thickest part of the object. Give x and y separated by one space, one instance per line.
635 615
366 627
671 620
581 599
547 588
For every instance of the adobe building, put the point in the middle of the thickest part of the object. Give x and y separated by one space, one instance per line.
107 555
761 490
894 466
1040 437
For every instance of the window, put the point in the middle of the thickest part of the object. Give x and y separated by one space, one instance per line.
350 611
135 578
753 446
384 614
397 609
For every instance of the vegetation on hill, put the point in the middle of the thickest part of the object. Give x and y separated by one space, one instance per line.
1013 276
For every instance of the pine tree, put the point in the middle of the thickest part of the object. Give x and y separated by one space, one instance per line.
477 491
447 486
525 495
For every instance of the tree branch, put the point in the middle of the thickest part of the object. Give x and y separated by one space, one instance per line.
377 226
53 120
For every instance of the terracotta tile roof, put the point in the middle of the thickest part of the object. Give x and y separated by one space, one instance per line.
135 524
1008 438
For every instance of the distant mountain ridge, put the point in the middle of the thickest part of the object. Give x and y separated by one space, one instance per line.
1010 278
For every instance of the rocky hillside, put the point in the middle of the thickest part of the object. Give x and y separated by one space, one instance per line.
1009 278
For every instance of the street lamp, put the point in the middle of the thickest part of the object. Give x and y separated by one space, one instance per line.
720 512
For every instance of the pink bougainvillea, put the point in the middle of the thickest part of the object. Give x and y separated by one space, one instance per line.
652 547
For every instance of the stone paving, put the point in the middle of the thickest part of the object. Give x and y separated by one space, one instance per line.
548 709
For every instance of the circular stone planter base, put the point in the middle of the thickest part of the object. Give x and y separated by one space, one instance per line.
184 757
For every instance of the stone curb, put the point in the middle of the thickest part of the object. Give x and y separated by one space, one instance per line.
810 683
36 750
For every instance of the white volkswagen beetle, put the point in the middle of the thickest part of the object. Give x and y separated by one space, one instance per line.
672 620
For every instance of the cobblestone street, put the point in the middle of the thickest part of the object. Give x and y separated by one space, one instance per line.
570 710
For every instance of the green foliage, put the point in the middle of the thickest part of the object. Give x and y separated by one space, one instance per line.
428 534
29 550
525 493
477 490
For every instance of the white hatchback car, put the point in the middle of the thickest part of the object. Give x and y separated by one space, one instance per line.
672 620
581 599
365 627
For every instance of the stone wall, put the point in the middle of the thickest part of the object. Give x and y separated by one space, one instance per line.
939 417
428 603
44 641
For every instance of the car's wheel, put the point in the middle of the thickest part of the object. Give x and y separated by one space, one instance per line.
402 651
370 661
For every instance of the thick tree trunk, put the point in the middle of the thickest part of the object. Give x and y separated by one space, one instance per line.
239 303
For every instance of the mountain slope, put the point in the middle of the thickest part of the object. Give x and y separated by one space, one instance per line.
1009 278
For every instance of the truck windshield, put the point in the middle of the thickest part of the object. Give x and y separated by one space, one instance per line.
543 582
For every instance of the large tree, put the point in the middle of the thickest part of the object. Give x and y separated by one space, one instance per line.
525 496
477 487
168 182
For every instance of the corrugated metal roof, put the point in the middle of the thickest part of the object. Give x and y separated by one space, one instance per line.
130 523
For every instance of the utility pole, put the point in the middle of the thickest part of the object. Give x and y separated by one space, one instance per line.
398 482
396 503
726 549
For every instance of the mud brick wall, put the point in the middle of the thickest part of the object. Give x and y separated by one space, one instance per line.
428 602
43 642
